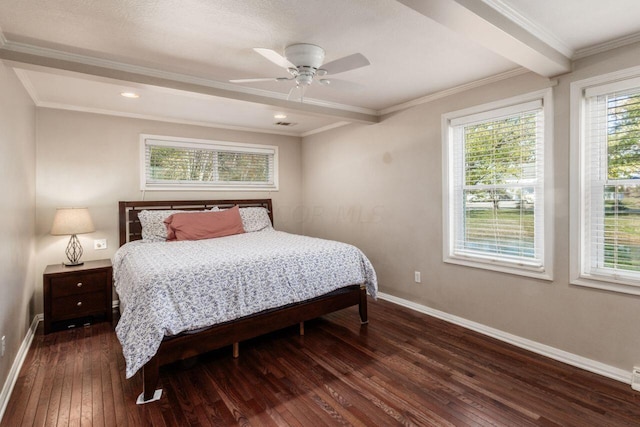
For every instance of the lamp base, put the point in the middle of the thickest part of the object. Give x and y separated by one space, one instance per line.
73 264
74 252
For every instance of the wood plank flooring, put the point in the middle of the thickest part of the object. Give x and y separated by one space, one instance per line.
404 368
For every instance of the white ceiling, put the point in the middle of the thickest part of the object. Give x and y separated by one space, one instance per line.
180 54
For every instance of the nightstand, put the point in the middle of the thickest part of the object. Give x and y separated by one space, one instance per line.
75 296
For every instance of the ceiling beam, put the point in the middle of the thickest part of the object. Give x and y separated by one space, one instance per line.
102 68
484 25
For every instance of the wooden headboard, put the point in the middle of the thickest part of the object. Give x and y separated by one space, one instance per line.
130 228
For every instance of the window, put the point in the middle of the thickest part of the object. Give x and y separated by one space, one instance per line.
494 190
171 163
607 184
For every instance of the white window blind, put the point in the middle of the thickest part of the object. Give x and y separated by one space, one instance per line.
496 174
196 164
611 184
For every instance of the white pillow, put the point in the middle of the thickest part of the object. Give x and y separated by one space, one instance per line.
153 226
255 219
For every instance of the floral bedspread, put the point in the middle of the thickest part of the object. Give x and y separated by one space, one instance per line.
166 288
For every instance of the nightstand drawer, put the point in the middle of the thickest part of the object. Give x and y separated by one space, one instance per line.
77 284
78 305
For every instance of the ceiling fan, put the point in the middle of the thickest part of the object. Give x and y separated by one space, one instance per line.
304 63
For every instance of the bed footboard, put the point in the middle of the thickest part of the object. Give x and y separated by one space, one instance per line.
188 345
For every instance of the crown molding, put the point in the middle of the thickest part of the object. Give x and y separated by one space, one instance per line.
28 85
324 129
225 88
551 39
23 76
480 23
609 45
138 70
336 110
530 26
454 90
67 107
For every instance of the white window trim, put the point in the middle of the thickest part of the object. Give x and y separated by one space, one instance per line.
605 83
194 142
546 271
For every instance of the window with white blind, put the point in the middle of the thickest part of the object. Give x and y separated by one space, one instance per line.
494 191
607 209
171 163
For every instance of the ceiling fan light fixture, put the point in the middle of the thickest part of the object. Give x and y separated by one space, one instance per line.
305 54
304 79
279 116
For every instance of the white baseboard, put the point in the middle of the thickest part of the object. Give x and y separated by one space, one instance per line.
17 364
536 347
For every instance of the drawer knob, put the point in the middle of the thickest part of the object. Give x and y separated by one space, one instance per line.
79 304
79 284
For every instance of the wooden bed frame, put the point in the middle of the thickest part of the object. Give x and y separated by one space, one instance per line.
184 346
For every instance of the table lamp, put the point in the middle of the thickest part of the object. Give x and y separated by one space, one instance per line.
72 221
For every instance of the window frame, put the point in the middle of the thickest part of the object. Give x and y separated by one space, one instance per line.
490 111
578 264
181 142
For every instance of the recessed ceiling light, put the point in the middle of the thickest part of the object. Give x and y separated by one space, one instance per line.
280 116
130 94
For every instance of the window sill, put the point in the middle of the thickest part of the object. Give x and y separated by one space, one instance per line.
207 188
502 268
620 287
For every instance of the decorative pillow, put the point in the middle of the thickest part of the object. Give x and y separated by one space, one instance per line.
204 225
255 219
153 227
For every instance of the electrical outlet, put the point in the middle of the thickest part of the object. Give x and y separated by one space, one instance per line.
4 345
416 276
100 244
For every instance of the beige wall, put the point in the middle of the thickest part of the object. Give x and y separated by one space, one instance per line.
93 160
17 174
380 187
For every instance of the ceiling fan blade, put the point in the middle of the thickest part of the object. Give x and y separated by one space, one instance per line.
266 79
274 57
347 63
340 84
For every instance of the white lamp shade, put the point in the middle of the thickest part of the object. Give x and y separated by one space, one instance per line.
72 221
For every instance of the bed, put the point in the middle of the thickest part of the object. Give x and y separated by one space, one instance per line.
171 312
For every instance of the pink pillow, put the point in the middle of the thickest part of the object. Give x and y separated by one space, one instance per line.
204 225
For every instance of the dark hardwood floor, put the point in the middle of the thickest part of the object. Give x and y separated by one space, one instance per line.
404 368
